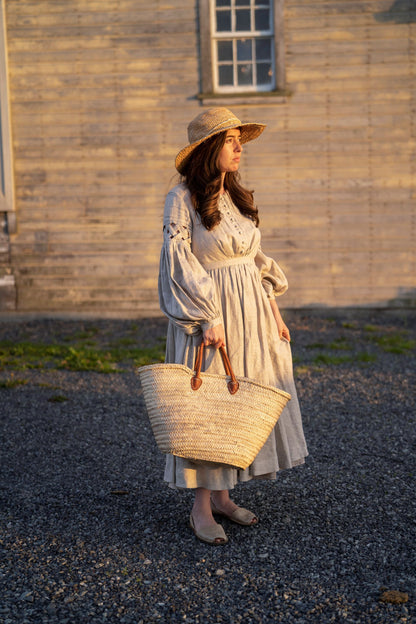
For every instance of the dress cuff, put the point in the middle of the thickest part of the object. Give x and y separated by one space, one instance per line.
268 287
273 289
210 324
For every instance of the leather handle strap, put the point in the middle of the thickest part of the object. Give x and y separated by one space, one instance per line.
233 384
196 380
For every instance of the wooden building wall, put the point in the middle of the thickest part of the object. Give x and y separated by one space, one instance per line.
101 93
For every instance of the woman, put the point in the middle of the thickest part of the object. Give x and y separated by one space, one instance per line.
216 282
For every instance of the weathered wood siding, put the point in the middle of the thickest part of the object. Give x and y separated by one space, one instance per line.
7 281
101 93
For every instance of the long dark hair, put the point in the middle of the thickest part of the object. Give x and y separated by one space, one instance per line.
202 176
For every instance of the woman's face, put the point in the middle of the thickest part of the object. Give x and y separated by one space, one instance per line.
229 157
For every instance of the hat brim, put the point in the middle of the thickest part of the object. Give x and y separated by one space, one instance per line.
249 131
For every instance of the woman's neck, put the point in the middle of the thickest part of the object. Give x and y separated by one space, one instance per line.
222 190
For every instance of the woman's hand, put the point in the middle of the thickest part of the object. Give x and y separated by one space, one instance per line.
281 325
214 336
283 330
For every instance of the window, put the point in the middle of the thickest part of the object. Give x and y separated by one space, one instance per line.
6 181
241 46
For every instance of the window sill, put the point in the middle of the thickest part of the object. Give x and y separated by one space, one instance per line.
238 99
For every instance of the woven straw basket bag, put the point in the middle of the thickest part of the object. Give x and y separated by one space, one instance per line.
202 416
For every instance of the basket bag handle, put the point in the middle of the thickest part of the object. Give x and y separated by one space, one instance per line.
196 380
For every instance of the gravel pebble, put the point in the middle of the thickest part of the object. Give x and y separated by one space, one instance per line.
91 534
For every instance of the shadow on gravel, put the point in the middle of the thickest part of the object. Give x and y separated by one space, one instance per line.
90 533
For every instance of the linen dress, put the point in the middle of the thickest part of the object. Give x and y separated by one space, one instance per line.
222 276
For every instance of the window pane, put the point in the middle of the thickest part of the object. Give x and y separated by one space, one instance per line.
223 21
263 49
225 75
242 2
264 73
244 50
245 74
262 17
243 21
223 3
225 50
262 2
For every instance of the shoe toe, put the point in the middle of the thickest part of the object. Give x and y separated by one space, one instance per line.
214 534
244 516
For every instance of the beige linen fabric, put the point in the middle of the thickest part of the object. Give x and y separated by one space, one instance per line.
222 275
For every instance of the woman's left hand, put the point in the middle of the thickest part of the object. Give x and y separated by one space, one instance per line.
281 325
283 330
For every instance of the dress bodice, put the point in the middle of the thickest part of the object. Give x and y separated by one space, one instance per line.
235 237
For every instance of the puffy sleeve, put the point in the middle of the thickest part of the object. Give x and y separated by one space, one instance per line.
272 277
187 294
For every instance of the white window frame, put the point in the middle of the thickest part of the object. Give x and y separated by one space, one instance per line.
6 169
209 92
234 35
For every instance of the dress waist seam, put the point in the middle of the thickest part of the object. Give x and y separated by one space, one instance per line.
209 266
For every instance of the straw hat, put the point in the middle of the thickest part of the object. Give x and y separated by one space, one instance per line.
212 122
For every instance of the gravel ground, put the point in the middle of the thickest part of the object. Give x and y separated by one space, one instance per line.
90 533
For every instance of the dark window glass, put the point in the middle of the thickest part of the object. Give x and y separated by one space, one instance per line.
264 73
244 50
262 17
225 50
223 3
225 75
263 49
223 21
242 19
245 74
